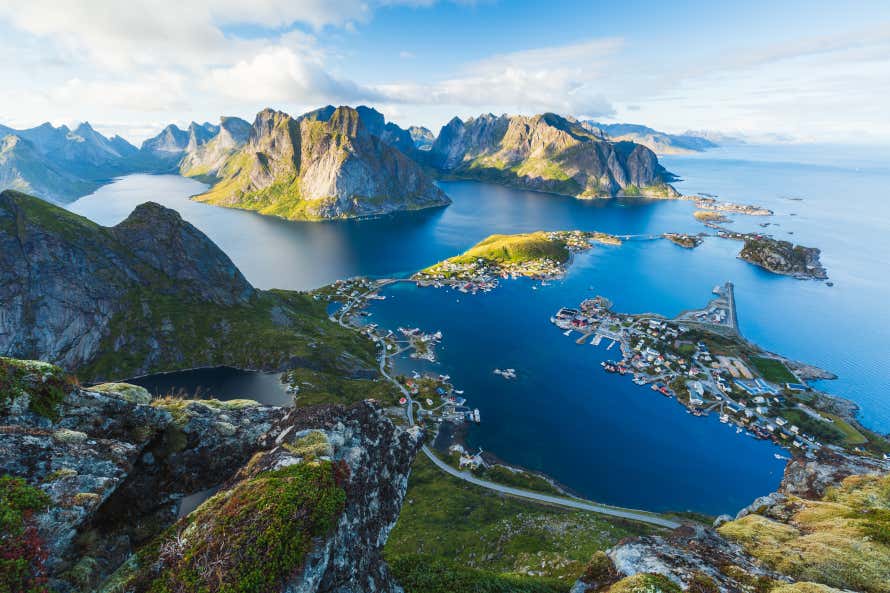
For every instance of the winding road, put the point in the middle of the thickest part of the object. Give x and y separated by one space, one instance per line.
561 501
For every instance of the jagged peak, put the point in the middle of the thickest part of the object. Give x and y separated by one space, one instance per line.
151 214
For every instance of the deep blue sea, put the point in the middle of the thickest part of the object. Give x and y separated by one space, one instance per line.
597 433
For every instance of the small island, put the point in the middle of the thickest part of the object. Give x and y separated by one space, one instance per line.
783 257
684 240
540 255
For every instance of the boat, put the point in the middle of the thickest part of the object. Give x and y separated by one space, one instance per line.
724 418
568 332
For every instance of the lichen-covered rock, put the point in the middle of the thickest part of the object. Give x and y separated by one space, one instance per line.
114 470
810 477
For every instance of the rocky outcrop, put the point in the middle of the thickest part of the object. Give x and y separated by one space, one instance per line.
152 293
423 138
810 477
115 465
330 163
549 153
822 531
783 257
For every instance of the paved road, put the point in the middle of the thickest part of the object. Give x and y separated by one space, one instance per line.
546 498
564 502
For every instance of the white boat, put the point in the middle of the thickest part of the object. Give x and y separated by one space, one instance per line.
568 332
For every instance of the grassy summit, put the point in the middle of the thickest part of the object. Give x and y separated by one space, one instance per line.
516 249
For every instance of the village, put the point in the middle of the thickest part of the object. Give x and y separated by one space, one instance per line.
434 396
699 359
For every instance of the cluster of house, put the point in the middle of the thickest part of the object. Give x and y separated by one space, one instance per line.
467 461
452 405
657 357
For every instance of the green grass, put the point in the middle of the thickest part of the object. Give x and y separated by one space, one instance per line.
772 370
277 328
317 387
824 431
514 249
430 574
518 479
444 517
248 539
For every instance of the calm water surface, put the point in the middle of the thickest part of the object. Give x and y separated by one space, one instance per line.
599 433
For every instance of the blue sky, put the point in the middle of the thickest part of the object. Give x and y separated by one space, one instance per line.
804 71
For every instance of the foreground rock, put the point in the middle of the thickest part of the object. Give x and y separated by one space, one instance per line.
306 497
548 153
152 293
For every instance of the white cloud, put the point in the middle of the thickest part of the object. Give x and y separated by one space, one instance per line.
563 78
283 74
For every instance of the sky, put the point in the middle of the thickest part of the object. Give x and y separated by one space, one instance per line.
779 70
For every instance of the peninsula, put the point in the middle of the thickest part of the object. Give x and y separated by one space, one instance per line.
539 255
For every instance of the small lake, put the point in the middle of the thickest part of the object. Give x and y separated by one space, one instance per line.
222 383
599 433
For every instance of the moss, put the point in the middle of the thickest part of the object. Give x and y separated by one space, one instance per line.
21 550
252 538
125 391
45 385
842 541
645 583
311 445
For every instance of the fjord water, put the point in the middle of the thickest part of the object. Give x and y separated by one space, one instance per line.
600 434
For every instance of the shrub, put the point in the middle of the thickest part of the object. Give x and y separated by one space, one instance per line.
21 550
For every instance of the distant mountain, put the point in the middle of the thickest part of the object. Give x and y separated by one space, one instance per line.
423 137
203 159
60 164
658 142
172 143
549 153
329 163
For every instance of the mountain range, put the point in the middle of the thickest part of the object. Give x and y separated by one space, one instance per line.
549 153
654 140
329 163
344 162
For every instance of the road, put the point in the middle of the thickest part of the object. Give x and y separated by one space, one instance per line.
565 502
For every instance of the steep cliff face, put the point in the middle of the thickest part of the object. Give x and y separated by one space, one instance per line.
305 498
150 293
550 153
204 159
330 163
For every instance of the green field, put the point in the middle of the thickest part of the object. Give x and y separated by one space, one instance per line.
772 370
493 536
